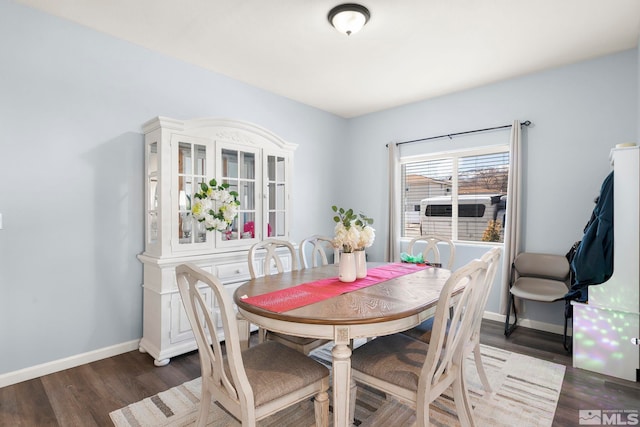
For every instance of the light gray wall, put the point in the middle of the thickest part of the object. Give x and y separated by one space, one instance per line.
72 102
579 112
71 167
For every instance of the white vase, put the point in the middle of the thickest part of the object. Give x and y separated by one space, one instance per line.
347 267
361 264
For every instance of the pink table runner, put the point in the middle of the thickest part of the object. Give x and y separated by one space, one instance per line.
320 290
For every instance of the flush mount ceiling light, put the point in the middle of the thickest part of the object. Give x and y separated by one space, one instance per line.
349 18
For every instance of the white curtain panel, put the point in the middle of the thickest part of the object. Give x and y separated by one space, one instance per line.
392 252
512 220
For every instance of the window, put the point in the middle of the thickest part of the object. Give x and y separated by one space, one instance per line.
459 195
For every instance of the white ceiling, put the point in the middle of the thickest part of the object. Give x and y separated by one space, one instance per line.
409 51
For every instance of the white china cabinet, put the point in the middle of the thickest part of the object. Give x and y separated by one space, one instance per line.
179 156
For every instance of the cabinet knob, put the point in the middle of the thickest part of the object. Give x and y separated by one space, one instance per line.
238 271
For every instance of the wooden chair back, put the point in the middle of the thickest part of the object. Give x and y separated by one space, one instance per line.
271 257
243 389
313 251
431 251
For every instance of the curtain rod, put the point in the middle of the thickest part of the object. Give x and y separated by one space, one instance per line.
449 135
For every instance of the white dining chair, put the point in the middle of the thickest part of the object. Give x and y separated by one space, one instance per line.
250 384
272 262
416 372
428 246
431 250
423 332
314 250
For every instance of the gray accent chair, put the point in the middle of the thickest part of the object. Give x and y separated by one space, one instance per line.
537 277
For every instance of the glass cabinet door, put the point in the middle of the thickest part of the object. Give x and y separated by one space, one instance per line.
277 195
238 168
152 193
192 170
182 155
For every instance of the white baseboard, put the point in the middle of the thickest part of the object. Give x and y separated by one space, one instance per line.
533 324
81 359
66 363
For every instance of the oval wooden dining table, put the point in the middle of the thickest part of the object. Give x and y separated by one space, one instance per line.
384 308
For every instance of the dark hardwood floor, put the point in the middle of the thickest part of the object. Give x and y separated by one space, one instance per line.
580 389
85 395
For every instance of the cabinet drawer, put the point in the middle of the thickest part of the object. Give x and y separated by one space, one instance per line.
228 273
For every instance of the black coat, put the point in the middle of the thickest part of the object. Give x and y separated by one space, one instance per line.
592 263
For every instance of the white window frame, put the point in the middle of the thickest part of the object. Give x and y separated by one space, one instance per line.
455 155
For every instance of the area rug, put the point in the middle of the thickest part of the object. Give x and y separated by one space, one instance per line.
526 392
